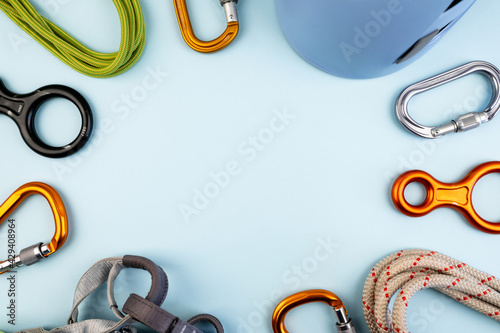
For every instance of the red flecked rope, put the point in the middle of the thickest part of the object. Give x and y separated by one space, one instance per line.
404 273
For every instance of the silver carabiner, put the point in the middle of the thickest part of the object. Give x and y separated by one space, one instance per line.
464 122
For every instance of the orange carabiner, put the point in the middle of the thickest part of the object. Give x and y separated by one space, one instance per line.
39 251
344 323
208 46
456 195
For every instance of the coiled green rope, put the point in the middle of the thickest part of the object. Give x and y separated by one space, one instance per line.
74 53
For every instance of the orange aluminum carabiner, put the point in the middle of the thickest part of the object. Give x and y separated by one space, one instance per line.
37 252
344 323
456 195
208 46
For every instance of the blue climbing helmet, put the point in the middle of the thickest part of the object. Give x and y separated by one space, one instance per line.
366 38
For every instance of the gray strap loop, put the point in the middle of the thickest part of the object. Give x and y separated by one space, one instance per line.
87 326
155 317
90 281
147 310
113 274
208 318
93 278
159 280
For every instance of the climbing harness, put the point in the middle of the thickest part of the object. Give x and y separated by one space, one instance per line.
208 46
72 52
136 309
461 124
344 323
22 109
456 195
404 273
37 252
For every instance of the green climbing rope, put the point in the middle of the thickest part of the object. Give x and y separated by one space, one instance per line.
74 53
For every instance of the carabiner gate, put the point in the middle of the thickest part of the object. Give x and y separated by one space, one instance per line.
464 122
214 45
344 323
37 252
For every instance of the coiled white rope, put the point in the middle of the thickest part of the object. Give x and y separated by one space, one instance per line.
406 272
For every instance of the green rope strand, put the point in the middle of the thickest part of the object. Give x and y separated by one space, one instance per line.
72 52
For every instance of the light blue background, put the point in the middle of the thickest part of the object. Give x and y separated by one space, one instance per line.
325 177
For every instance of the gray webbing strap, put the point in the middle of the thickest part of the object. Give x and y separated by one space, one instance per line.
90 281
155 317
145 310
107 270
87 326
208 318
159 280
93 278
113 274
